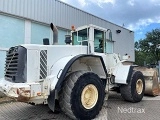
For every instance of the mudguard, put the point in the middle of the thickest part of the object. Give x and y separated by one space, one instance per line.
56 70
123 73
60 68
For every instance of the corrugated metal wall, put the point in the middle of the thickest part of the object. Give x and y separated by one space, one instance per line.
47 11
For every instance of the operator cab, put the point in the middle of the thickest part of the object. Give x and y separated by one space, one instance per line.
98 40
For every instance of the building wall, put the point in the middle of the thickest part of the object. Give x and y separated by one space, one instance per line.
11 31
46 11
11 34
15 31
38 32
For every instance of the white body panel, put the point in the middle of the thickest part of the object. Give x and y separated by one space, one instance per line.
121 73
56 70
33 65
54 54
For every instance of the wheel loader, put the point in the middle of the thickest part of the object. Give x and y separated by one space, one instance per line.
77 74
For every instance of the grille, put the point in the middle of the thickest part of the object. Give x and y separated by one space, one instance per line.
11 66
43 64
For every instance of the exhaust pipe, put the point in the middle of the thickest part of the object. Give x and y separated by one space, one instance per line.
55 34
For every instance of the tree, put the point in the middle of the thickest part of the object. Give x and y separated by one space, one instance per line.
139 57
147 49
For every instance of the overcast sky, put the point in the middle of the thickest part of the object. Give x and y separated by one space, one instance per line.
141 16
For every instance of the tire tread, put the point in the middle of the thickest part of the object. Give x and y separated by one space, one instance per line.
126 90
66 91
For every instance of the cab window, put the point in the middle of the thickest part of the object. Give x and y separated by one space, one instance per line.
98 41
80 37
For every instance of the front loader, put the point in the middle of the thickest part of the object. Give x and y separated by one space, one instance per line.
77 74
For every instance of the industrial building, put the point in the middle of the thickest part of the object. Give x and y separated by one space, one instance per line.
27 22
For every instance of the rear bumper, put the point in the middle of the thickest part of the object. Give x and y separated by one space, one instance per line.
24 92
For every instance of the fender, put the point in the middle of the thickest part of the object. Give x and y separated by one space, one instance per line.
130 74
56 71
123 73
69 64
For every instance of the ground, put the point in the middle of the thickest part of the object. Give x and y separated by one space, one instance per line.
113 109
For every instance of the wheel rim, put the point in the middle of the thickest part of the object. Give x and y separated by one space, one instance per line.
139 86
89 96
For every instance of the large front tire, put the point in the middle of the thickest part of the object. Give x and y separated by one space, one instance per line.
82 95
134 91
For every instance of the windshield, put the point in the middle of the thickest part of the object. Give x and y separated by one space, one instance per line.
80 37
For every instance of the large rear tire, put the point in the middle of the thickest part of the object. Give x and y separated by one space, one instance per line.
82 95
134 91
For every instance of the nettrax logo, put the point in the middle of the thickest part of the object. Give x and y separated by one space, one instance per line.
131 110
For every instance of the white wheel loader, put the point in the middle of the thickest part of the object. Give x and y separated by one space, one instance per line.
77 74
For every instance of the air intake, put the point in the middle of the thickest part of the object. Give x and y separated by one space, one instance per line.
16 64
43 64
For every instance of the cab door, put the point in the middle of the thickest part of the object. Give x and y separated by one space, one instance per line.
99 41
